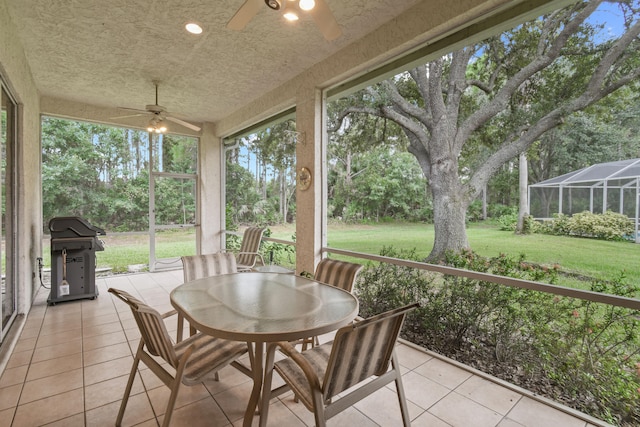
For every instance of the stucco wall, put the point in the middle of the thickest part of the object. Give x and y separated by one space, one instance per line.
425 22
16 75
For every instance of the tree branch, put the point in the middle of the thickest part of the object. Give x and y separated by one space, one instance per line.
405 106
421 77
548 55
435 98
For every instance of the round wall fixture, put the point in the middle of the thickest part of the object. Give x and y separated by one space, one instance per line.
304 178
273 4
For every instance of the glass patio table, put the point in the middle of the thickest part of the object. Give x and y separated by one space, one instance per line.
260 308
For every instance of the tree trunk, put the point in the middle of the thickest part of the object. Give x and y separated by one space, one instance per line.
347 179
484 203
283 195
524 198
449 210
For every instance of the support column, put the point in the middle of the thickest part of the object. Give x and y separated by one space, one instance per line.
210 188
310 218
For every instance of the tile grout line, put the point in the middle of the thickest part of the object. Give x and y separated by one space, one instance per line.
33 351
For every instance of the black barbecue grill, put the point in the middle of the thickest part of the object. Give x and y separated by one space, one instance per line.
74 243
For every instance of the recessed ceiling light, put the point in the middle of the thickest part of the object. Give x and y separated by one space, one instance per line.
193 28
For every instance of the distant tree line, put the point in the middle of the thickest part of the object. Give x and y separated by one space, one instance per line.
101 173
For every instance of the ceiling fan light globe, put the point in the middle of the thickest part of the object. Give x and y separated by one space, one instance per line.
307 4
291 16
289 12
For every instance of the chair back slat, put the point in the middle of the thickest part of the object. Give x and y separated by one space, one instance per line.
152 327
340 274
199 266
250 245
362 350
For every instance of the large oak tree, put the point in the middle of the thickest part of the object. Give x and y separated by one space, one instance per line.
504 93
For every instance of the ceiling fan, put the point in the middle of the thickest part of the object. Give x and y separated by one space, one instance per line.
318 9
159 114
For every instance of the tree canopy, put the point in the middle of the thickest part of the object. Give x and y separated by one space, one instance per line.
498 97
101 173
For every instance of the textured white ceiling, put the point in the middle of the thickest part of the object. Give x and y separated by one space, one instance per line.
107 52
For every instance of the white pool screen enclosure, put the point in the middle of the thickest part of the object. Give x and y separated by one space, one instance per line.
611 186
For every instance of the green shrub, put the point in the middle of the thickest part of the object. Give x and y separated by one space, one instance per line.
496 210
587 355
381 287
508 222
592 351
558 226
474 211
277 253
607 226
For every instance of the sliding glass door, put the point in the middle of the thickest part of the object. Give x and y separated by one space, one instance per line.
7 229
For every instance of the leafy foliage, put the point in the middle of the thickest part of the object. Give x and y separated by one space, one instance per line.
466 116
581 353
607 226
261 176
101 173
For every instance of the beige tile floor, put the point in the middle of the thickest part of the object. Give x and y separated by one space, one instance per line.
72 360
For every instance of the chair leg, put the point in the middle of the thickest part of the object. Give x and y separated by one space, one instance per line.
180 326
406 421
172 403
175 387
266 386
318 409
127 390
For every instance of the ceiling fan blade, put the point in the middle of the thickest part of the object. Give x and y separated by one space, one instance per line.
183 123
128 116
139 110
246 12
325 20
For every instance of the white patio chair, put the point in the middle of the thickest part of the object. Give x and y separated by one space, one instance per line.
340 274
193 359
360 351
249 257
200 266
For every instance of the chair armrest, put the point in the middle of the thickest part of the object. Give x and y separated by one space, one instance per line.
257 254
249 253
297 357
286 347
169 314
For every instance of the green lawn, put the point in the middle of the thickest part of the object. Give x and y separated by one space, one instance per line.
594 258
